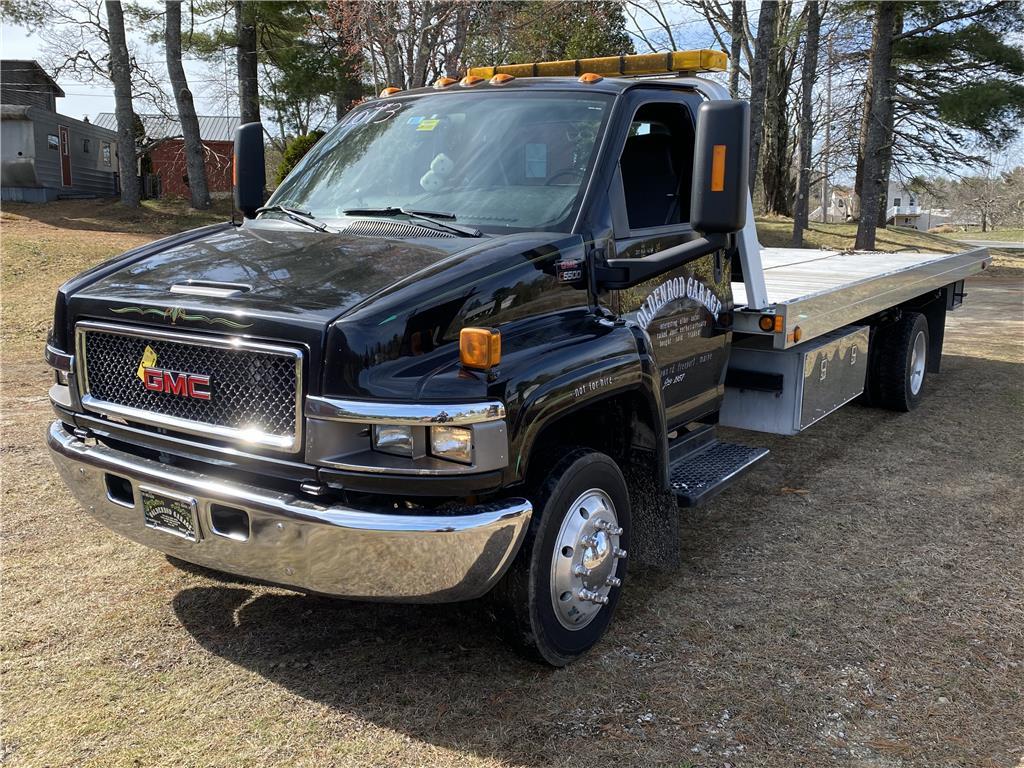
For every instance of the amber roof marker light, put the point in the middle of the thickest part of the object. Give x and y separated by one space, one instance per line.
677 62
470 80
501 78
588 78
389 91
444 82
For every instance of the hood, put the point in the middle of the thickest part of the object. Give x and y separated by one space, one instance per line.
277 282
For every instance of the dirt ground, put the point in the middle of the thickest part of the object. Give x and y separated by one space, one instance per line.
857 600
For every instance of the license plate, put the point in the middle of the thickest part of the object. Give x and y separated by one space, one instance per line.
170 513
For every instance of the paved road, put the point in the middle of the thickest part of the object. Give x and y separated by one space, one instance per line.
1000 244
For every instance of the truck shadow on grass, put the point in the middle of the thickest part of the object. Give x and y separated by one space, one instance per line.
437 673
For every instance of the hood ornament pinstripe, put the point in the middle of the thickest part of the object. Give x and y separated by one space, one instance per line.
174 314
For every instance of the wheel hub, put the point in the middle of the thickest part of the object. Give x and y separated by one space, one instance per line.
585 559
918 357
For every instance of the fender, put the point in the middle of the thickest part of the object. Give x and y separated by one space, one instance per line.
593 364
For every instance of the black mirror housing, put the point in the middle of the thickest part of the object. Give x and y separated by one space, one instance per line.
249 174
721 165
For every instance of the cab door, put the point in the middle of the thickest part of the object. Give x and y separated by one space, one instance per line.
682 313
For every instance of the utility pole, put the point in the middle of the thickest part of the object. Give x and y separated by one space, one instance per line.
828 133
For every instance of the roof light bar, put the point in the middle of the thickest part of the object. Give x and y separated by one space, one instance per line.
615 66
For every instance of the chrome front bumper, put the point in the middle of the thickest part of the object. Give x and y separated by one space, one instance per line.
334 550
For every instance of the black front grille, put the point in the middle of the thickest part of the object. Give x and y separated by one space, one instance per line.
249 390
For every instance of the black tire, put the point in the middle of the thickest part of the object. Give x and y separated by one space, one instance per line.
522 602
896 379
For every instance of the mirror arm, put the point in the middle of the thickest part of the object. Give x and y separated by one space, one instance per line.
625 273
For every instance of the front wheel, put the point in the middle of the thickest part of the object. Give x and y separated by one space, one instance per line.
558 597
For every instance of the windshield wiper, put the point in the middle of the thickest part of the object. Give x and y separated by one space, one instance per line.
431 217
302 217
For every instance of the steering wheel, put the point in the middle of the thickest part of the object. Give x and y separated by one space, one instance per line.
578 174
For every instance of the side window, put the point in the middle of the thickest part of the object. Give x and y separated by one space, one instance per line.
657 166
85 146
105 149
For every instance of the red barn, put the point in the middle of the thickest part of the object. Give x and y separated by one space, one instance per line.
162 153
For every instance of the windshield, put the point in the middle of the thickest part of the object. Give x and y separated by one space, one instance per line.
496 161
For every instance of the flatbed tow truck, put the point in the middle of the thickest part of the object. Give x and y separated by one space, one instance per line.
453 352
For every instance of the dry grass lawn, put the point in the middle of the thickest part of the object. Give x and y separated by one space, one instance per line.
858 600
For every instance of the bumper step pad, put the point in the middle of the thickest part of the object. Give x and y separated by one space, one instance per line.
708 470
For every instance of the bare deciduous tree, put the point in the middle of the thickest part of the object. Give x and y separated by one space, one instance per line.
194 161
808 74
121 76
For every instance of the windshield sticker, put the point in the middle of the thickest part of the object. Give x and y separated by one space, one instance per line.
428 125
677 288
536 161
414 120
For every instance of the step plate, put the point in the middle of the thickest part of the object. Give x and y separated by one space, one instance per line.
698 476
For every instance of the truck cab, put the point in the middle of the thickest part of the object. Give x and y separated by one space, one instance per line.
476 345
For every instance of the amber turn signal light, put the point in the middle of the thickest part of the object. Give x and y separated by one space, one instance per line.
480 348
769 323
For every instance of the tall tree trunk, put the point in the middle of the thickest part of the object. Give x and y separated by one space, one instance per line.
886 157
759 82
121 76
194 159
808 73
879 130
245 56
735 47
777 179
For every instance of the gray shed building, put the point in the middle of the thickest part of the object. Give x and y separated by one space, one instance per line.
43 154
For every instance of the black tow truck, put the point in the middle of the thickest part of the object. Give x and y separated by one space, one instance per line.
476 344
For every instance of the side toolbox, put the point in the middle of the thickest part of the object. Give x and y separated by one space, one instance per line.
786 391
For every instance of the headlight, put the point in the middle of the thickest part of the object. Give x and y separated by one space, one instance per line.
393 439
452 443
61 377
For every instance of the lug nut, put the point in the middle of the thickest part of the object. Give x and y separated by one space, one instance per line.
620 553
592 597
612 581
580 571
604 525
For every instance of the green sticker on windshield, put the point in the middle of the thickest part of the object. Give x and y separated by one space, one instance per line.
428 125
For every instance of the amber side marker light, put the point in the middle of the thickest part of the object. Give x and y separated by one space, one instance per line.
501 78
388 91
769 323
718 168
480 348
444 82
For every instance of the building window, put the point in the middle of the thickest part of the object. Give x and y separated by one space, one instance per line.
52 142
105 149
85 146
897 202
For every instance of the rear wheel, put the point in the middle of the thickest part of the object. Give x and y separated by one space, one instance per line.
559 595
899 363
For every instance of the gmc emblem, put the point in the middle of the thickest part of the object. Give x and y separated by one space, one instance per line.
192 385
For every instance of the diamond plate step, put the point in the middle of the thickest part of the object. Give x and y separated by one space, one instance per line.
709 470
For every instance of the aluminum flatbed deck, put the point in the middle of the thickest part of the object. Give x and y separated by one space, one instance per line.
820 291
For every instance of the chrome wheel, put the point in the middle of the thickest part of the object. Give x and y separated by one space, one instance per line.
585 560
917 363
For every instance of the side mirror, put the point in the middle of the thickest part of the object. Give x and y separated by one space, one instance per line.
721 164
249 174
